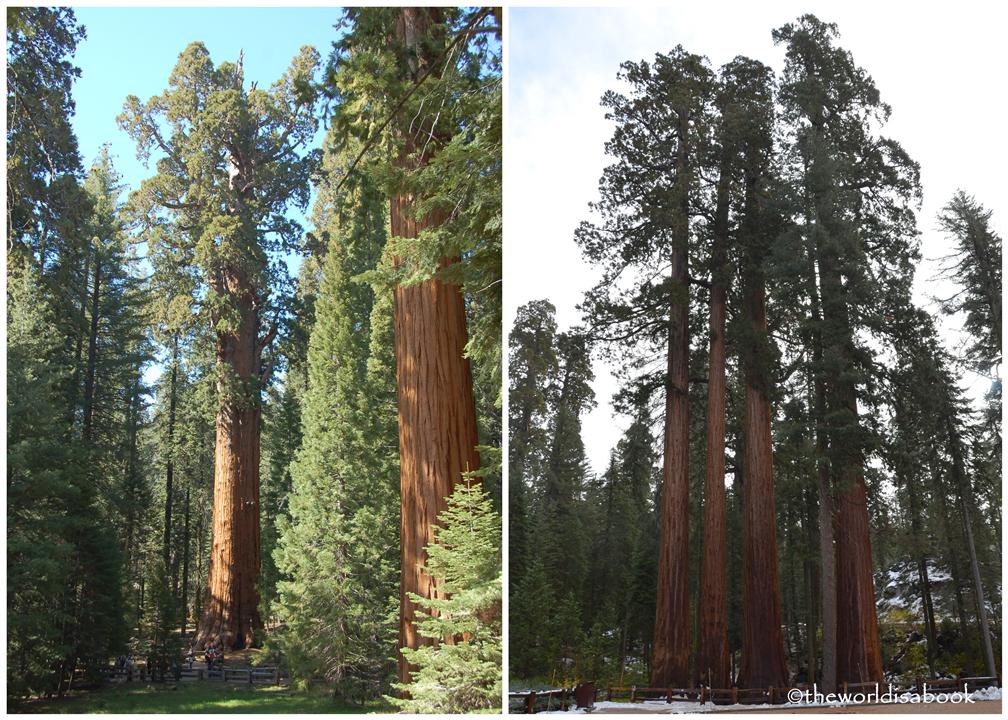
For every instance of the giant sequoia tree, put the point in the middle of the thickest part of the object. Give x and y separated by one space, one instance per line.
441 163
228 167
643 244
829 398
858 191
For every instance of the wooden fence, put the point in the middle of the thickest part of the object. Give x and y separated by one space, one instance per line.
586 695
262 675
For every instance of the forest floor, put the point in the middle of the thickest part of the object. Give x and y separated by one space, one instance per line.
193 698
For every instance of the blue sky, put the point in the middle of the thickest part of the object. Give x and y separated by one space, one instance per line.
131 51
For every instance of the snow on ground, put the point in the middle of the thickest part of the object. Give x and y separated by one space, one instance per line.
682 707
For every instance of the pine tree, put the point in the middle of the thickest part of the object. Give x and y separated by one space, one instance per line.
976 266
462 674
333 551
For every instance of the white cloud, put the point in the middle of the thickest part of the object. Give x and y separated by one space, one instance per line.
940 70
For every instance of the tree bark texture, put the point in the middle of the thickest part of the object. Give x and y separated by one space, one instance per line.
437 412
437 420
670 659
763 663
231 609
712 644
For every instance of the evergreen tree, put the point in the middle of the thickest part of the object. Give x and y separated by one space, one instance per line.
43 162
976 266
335 547
230 168
439 164
463 674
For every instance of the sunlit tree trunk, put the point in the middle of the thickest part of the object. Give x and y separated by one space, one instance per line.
437 413
231 609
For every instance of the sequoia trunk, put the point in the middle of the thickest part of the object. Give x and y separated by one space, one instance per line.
859 657
437 422
231 609
712 644
763 663
437 412
670 659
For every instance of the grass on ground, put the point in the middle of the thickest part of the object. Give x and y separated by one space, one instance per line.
196 697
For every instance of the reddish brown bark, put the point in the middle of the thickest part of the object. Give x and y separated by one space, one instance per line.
437 422
670 658
712 667
859 656
231 609
763 663
437 413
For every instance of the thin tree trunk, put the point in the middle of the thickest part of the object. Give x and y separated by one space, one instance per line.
437 412
965 497
923 580
92 356
711 666
231 610
670 663
928 607
763 663
79 349
185 565
170 453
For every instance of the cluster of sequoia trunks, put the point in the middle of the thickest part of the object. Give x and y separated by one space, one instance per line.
851 649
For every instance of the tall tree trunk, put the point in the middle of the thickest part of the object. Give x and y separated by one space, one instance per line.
924 582
965 499
670 663
928 607
170 456
437 412
859 657
92 356
763 663
827 509
79 348
231 610
712 644
185 564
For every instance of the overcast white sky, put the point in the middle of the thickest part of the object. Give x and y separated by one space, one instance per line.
941 70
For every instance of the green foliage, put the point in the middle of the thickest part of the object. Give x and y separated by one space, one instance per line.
462 675
43 162
975 265
449 159
338 595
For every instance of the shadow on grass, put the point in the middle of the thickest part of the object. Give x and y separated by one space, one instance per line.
195 698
